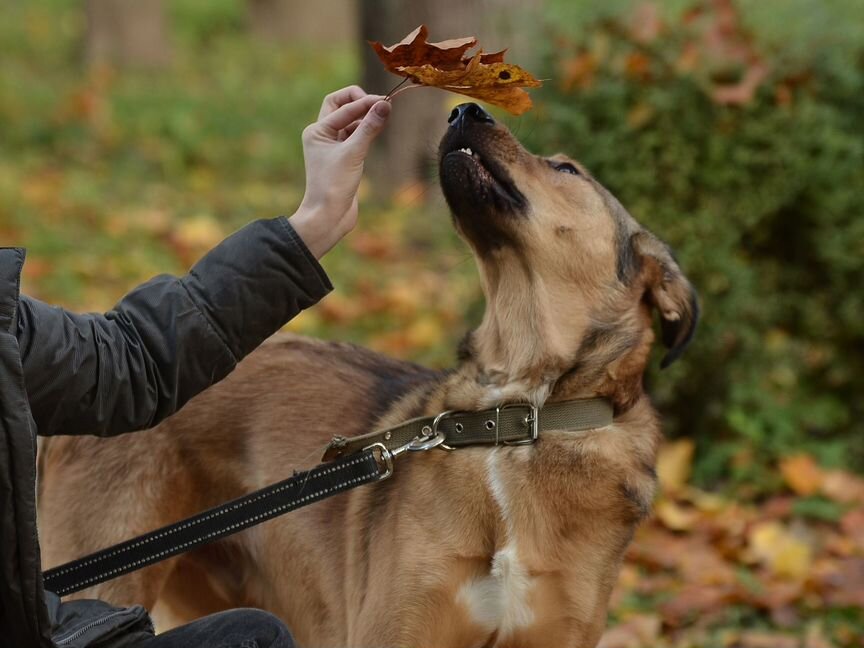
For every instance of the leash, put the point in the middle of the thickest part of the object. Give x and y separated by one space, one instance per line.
350 462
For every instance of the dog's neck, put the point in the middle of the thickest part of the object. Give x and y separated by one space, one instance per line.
535 342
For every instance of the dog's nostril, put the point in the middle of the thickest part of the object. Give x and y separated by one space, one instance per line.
476 112
469 112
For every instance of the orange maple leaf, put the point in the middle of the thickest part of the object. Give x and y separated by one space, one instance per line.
445 65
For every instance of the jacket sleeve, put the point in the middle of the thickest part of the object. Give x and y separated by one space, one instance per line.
168 339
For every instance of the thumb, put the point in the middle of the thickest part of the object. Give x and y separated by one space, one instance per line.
369 128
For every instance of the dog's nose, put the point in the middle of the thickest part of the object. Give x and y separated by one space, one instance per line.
469 112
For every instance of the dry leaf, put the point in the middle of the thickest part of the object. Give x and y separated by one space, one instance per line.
640 630
424 333
852 525
760 639
414 50
674 516
338 308
194 237
674 463
703 500
444 65
842 487
786 555
695 600
777 594
844 584
741 93
578 72
816 638
645 24
378 246
801 474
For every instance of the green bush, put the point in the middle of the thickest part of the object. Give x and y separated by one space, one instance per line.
761 199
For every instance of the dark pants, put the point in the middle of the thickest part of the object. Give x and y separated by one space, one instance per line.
241 628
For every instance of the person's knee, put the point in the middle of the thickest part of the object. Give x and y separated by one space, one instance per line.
265 629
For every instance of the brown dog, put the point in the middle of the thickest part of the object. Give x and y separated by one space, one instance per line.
484 546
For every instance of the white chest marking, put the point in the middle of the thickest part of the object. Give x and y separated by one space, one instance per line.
500 600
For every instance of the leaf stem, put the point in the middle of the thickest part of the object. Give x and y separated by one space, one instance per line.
390 94
395 92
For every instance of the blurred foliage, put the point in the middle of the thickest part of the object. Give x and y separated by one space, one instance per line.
741 143
712 571
110 177
738 139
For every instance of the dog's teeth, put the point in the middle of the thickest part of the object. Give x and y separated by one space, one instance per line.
466 150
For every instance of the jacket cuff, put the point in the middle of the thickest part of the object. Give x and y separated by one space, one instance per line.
324 284
252 283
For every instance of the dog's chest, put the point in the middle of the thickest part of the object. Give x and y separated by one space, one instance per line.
500 600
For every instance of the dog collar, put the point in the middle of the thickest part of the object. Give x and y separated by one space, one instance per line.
514 424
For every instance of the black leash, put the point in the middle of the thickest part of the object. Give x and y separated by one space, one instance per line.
358 460
256 507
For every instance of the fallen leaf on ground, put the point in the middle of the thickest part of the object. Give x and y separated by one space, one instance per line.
674 464
374 246
637 631
816 638
759 639
801 474
779 550
843 487
695 600
195 236
445 65
842 583
339 308
704 501
674 516
852 525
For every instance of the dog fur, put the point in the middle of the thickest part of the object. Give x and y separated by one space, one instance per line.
486 546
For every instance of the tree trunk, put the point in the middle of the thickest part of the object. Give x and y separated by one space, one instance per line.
405 157
309 23
127 33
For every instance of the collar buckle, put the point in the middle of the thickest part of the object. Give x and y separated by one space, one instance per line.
532 419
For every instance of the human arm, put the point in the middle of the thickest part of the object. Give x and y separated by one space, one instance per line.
349 121
168 339
172 337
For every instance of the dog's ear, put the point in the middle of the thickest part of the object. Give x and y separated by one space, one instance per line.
669 291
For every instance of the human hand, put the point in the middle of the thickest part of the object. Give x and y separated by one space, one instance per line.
334 149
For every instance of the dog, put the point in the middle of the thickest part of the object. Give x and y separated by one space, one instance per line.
505 546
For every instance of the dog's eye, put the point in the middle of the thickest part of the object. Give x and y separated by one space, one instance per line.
566 167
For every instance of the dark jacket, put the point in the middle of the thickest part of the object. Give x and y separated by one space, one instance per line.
64 373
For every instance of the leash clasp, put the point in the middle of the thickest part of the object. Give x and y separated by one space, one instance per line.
430 437
385 458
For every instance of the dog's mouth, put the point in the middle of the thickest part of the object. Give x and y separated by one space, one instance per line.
473 177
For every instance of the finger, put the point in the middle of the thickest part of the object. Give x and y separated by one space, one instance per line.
339 98
369 128
344 115
346 132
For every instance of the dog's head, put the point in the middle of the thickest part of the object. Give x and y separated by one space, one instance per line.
570 277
